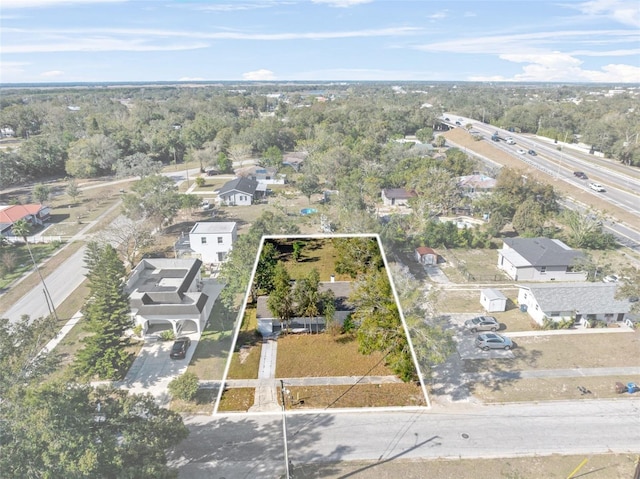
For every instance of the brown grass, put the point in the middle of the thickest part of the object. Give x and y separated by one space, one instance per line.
320 355
237 399
202 404
360 395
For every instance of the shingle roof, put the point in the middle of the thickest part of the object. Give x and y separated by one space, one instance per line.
243 185
398 193
13 213
586 298
543 251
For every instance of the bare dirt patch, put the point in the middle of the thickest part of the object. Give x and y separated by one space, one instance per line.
360 395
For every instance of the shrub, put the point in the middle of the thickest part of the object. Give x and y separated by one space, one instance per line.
184 387
548 323
167 335
349 325
200 182
137 330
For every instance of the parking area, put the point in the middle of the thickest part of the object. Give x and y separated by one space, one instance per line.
465 340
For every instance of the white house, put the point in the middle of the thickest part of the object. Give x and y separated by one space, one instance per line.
239 191
493 300
561 301
540 259
212 241
165 292
397 196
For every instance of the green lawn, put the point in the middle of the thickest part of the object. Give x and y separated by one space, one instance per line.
18 256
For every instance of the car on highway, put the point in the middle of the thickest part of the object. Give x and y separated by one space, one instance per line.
510 141
596 187
482 323
180 348
521 151
581 175
532 152
489 341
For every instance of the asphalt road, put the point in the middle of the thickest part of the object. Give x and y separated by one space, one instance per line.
243 445
60 283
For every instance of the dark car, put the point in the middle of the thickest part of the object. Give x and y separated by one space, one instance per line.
482 323
532 152
489 341
581 175
180 347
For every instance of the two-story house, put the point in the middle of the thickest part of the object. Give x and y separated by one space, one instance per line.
212 241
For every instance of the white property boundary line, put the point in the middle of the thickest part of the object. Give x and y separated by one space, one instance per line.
395 297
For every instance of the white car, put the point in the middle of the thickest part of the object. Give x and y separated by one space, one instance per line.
596 187
521 151
612 278
511 141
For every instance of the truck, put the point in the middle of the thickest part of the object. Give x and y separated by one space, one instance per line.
496 137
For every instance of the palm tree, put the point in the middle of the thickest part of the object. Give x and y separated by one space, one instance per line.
22 228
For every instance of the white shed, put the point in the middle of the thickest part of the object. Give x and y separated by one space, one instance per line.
493 300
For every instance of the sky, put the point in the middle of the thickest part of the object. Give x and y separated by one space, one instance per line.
45 41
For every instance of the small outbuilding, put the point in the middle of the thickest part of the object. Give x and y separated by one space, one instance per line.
426 256
493 300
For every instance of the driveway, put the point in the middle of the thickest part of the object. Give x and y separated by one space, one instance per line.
436 275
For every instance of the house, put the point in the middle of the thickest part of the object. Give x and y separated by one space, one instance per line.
426 256
539 259
493 300
294 159
561 301
165 292
471 184
34 214
397 196
213 240
264 176
268 324
239 191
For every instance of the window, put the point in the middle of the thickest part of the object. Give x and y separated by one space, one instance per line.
554 314
203 240
220 240
543 269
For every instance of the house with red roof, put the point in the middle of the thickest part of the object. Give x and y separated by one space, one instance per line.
426 256
34 214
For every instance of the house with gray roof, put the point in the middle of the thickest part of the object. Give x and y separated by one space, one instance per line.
165 291
239 191
561 301
268 324
540 259
397 196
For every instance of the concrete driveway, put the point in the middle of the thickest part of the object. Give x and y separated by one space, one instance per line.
436 275
465 341
153 369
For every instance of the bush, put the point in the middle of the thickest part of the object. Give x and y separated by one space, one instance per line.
184 387
167 335
349 325
548 323
137 330
200 182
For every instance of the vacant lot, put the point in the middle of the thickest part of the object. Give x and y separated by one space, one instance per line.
360 395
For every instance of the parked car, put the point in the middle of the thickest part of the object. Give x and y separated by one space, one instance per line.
581 175
489 341
482 323
532 152
521 151
179 348
596 187
612 278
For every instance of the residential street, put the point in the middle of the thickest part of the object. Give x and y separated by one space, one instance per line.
241 445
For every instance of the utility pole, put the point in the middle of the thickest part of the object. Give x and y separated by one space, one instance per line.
284 431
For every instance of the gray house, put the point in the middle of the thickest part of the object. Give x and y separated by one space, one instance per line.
239 191
560 301
165 292
268 324
539 259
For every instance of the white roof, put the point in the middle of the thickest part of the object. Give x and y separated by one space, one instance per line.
492 294
213 227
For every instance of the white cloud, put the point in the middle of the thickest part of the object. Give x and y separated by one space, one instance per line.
52 73
623 11
100 44
190 79
439 15
470 14
11 70
342 3
259 75
7 4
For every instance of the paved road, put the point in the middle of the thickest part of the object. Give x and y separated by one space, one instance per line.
253 445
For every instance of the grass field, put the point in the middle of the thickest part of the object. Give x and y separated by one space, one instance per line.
237 399
360 395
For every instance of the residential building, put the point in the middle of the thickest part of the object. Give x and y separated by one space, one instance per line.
578 301
397 196
472 184
168 292
540 259
34 214
212 241
239 191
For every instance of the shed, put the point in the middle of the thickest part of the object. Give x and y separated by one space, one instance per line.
426 256
493 300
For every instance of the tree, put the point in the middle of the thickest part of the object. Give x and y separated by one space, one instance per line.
223 163
131 238
185 386
138 164
356 255
92 156
306 295
629 287
280 301
528 219
154 197
60 429
272 157
106 314
239 153
263 278
41 192
585 231
72 189
308 185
